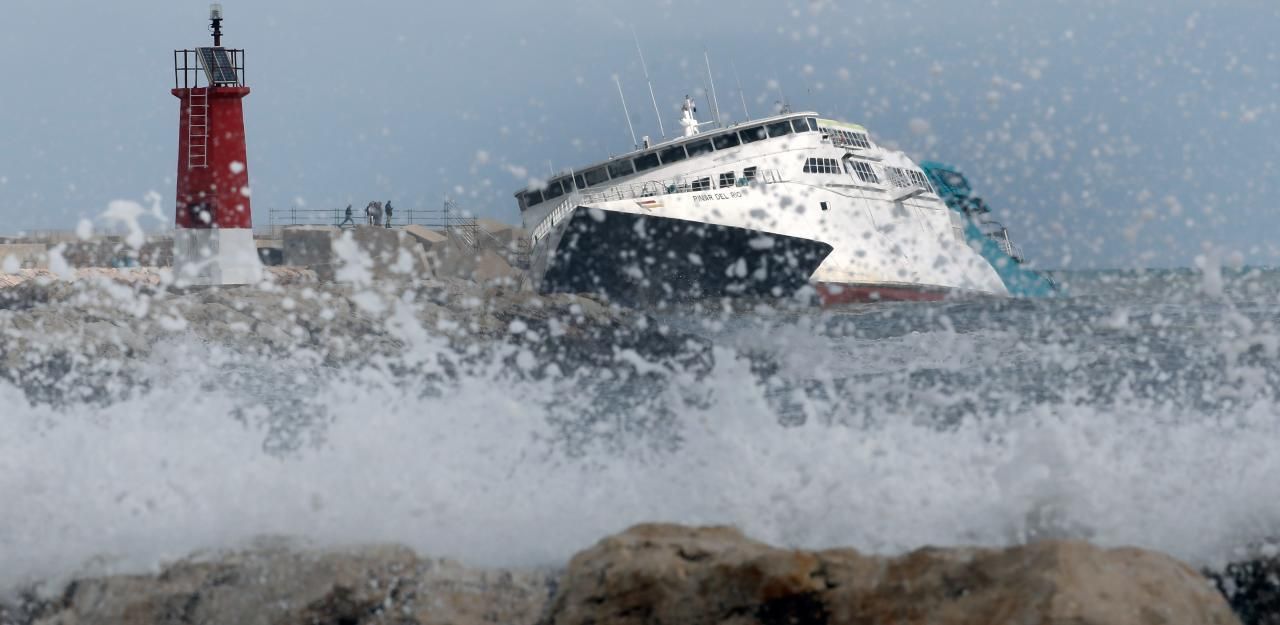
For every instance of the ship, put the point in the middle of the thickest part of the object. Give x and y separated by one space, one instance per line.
792 206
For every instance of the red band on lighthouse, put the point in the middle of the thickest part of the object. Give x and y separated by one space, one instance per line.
213 238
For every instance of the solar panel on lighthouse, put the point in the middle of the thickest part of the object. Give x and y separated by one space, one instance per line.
218 67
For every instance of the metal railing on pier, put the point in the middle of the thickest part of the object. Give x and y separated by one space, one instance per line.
453 221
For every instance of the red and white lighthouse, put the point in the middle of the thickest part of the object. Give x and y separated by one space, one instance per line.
213 240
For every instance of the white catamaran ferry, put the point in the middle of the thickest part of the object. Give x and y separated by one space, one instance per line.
761 208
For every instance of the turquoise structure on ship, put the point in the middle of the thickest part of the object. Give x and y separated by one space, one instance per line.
988 236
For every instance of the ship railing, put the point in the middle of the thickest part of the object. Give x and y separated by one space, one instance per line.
681 184
998 233
554 218
646 189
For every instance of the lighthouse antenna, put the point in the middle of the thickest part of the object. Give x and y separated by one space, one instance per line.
215 23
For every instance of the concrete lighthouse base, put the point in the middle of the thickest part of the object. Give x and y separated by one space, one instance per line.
215 256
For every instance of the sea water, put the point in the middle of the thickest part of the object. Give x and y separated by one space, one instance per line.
1140 410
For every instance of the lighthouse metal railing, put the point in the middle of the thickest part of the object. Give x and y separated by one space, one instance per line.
189 71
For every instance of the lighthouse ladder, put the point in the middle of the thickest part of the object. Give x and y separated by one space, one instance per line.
198 129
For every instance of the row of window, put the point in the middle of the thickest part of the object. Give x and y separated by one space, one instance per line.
848 138
822 166
863 171
900 177
727 179
665 156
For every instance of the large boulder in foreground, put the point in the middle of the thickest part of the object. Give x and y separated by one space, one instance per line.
281 587
671 574
652 575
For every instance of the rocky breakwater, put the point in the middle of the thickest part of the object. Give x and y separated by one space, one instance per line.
86 340
653 574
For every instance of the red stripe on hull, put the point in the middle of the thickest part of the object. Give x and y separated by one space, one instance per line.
836 294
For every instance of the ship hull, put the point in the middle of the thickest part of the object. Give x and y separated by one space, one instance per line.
639 259
832 294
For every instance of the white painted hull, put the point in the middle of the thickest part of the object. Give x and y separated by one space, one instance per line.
874 242
215 257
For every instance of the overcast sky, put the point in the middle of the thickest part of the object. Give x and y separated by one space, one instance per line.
1104 133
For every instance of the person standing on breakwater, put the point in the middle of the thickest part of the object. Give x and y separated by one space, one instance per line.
388 209
348 220
374 211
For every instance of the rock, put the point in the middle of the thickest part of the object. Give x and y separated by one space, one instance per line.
310 247
426 237
650 574
673 574
484 266
278 586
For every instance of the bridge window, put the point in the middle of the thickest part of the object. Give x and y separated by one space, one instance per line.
532 198
553 190
698 147
801 125
813 123
620 169
751 135
780 129
646 162
726 141
673 154
822 166
727 179
701 184
595 176
864 171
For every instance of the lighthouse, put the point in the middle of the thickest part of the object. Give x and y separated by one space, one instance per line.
213 236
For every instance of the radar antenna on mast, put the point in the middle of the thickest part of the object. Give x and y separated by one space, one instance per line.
653 98
634 144
740 94
715 102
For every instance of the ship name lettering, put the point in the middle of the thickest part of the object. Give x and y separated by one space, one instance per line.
703 197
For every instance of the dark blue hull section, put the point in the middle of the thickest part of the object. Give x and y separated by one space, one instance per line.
645 260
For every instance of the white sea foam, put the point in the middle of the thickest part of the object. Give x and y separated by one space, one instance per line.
475 474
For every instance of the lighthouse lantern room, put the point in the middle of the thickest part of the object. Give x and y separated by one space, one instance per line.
213 237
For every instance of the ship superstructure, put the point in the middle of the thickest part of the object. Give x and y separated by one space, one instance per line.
765 207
